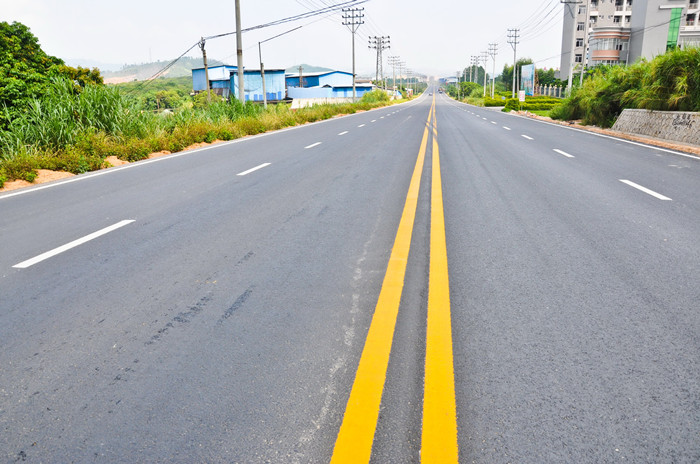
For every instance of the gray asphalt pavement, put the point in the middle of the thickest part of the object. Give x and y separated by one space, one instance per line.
225 321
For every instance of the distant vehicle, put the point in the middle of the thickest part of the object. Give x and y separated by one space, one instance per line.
431 93
440 91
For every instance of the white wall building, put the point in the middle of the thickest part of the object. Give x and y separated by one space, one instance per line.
622 31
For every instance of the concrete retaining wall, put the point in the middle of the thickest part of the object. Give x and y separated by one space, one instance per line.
677 126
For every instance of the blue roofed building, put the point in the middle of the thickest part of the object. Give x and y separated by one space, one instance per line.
252 85
324 85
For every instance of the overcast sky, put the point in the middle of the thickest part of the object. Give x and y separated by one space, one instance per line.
436 37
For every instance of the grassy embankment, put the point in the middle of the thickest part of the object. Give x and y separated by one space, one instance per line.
75 132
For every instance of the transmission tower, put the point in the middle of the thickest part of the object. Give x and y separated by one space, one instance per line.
513 41
380 43
353 18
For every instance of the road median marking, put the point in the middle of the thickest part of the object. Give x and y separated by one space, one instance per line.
73 244
356 435
439 433
645 190
245 173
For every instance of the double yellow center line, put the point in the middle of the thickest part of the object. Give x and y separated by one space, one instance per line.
439 431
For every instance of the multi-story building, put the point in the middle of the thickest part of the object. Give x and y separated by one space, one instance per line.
622 31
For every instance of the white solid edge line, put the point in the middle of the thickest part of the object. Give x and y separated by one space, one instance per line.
620 139
563 153
136 164
645 190
244 173
527 137
73 244
312 145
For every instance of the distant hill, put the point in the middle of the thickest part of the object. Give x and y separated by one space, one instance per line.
307 68
141 72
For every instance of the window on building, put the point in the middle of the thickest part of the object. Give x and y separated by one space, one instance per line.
628 19
593 20
594 3
617 19
690 20
578 58
581 10
629 2
579 27
579 42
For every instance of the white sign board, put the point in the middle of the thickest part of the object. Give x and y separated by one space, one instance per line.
521 95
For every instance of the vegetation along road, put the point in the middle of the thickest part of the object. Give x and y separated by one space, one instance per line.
429 281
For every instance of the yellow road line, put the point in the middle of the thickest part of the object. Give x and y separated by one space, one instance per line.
356 435
439 434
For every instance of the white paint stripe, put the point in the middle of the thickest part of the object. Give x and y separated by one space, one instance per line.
484 119
253 169
494 122
344 132
645 190
373 120
313 145
361 125
526 137
73 244
506 128
563 153
618 139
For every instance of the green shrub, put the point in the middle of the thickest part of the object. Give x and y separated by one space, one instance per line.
375 96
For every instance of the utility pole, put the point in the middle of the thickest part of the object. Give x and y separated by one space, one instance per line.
493 49
570 4
301 81
262 75
206 67
380 44
584 55
484 58
513 41
393 60
239 53
352 17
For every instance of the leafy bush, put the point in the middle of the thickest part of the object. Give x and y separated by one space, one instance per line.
375 96
531 104
670 82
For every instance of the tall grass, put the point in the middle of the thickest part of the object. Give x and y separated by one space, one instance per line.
75 132
670 82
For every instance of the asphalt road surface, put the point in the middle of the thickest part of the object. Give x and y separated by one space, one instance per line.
425 281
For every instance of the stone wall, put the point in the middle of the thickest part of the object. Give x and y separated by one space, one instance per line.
677 126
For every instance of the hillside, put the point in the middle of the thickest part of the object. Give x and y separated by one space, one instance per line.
141 72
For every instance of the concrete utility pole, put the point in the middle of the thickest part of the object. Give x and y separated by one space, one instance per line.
393 60
484 58
513 41
206 67
380 44
239 53
493 49
584 55
570 4
301 81
262 75
352 17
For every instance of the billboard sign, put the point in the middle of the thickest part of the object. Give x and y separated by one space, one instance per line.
527 79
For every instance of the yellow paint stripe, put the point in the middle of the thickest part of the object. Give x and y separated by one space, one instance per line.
356 435
439 434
